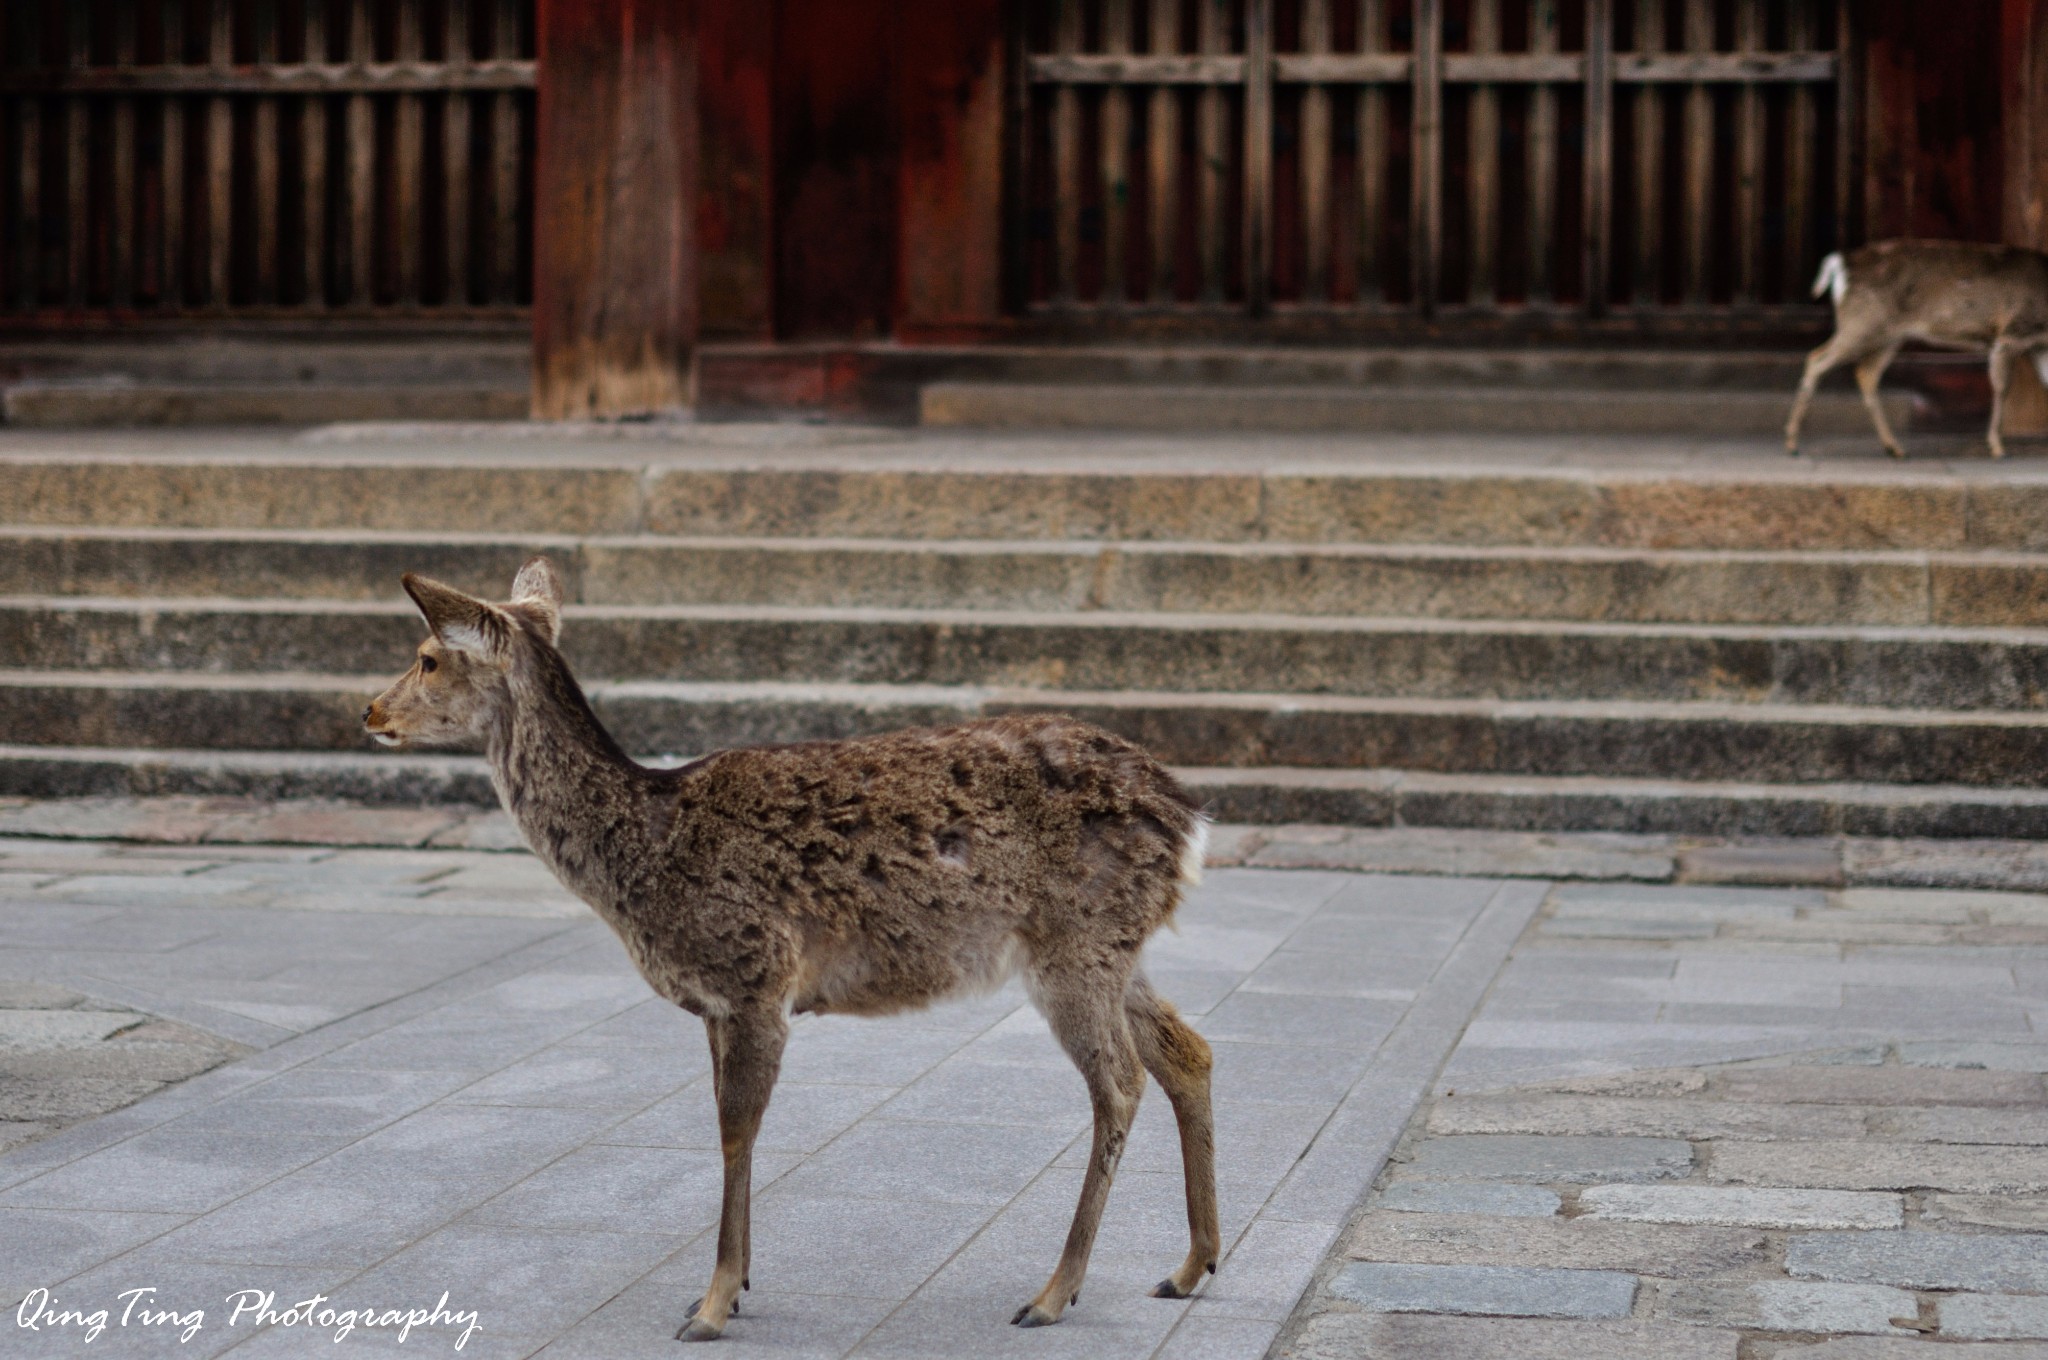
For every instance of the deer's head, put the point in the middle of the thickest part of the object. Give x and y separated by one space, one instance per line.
459 684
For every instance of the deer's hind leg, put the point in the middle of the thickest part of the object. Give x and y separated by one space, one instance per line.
1085 1007
1818 363
2003 353
1869 372
1179 1060
746 1054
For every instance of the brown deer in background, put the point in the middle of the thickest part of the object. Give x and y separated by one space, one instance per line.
855 877
1955 294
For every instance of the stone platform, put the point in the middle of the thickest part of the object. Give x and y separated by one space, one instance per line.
1640 635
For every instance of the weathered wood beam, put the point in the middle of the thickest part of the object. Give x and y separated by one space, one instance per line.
391 77
615 274
1466 68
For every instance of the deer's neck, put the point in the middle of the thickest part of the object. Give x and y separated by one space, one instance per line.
580 803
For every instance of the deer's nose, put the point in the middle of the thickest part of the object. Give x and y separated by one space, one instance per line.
366 714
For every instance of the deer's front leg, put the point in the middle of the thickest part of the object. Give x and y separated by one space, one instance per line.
746 1055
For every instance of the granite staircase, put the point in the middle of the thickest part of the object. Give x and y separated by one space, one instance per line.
1783 650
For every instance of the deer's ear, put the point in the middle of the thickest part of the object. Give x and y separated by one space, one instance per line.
537 595
462 624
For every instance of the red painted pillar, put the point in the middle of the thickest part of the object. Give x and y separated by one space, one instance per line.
950 96
2024 47
2024 50
615 195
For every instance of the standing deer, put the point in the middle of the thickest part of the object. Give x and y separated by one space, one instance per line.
853 877
1956 294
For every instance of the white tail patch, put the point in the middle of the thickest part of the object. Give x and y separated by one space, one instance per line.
1194 850
1833 278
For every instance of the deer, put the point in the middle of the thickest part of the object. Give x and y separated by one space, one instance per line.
1955 294
858 877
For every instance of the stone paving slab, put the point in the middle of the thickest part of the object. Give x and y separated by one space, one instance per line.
1883 1166
1923 1260
1995 1317
1788 1306
1583 1243
1703 1204
490 1102
1581 1158
1464 1197
1492 1291
1348 1336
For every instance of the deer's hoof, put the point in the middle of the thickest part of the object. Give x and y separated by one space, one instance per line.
698 1329
1031 1315
1167 1289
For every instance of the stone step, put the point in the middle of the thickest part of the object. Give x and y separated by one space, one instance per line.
1419 581
116 402
916 494
1901 668
884 381
1268 795
1754 743
473 355
1206 408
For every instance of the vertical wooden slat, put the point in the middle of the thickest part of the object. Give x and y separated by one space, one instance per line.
1426 196
1699 159
1162 137
1484 127
455 159
1848 78
1749 162
28 226
1315 160
171 173
1372 161
1213 165
263 144
1066 160
124 180
1258 155
77 132
1116 160
220 153
1649 157
408 148
1800 126
1542 148
313 168
361 133
505 166
1599 178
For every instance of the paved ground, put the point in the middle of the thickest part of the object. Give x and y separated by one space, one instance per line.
457 1085
1868 1180
463 1087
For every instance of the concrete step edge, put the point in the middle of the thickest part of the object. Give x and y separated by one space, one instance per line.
1376 797
1092 620
882 697
1408 409
539 542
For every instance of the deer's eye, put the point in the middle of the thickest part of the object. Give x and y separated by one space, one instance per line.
427 665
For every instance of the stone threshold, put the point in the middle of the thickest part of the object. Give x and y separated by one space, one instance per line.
1819 862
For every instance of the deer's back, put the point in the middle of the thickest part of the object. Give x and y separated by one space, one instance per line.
1963 292
881 873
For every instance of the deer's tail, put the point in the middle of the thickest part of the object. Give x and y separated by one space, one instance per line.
1194 848
1833 278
